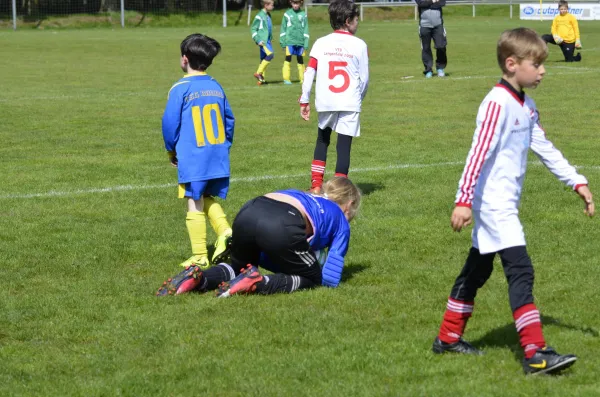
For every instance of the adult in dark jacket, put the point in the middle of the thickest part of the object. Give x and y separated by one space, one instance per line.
431 26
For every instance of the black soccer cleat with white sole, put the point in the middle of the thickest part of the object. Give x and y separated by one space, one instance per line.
462 347
547 361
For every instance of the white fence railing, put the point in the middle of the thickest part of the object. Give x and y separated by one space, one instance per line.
472 3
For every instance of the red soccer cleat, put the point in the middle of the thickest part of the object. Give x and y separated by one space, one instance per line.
186 281
244 283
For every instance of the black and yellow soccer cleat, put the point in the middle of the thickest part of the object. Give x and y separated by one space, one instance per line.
222 249
547 361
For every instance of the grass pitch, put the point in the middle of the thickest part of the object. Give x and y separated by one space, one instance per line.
90 224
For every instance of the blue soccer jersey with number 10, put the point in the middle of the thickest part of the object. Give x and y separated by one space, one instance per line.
198 125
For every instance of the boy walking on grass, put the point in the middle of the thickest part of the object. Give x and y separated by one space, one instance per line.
340 61
262 34
294 39
489 192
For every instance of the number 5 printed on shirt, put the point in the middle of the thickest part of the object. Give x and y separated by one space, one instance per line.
336 68
209 130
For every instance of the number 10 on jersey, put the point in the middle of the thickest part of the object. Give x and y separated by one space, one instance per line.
209 130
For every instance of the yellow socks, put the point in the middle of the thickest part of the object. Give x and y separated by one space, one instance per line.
196 225
286 71
301 73
262 68
216 216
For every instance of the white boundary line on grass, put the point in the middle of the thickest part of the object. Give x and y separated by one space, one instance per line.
569 70
124 188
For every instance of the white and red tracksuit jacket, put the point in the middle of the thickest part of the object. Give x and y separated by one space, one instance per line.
507 126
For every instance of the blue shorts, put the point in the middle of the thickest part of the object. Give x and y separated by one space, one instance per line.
294 50
263 53
213 187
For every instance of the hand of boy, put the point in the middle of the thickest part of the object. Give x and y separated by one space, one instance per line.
557 39
260 43
577 43
305 111
461 217
173 158
586 195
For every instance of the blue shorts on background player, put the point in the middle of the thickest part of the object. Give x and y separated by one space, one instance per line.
197 129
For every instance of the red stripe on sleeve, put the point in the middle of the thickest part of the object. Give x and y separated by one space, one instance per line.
486 133
312 63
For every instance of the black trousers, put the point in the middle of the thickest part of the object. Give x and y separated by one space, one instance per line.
478 269
568 49
343 147
438 34
278 230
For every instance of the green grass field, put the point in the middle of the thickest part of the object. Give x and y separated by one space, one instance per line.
90 224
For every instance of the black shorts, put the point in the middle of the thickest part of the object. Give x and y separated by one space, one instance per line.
278 230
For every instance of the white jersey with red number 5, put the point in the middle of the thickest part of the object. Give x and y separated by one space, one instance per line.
341 62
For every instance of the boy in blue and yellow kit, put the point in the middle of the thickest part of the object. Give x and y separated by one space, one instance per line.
262 34
294 39
197 128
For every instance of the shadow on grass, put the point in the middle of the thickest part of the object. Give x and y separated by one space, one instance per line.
507 337
350 271
368 188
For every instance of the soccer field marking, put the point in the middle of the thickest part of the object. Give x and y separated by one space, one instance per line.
125 188
574 68
567 70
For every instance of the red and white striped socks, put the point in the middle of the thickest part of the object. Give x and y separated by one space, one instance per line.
527 321
317 170
529 327
455 320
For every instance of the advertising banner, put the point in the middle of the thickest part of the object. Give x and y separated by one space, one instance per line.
581 11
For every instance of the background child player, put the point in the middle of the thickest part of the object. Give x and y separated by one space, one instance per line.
341 63
262 34
198 129
281 231
565 33
294 38
490 190
431 26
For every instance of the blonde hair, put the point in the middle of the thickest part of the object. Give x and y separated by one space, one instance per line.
342 191
263 2
521 43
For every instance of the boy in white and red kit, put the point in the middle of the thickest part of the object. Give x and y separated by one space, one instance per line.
490 190
341 64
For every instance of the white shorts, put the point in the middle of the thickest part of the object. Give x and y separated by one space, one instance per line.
345 123
497 230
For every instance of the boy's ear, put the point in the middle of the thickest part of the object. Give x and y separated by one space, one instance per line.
511 63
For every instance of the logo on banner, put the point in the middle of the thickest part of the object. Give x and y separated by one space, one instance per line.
528 11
